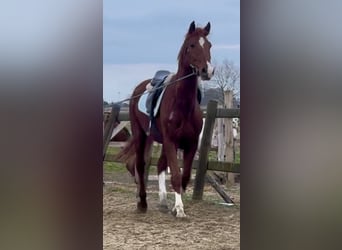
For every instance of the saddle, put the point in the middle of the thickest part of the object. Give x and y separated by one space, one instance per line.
155 89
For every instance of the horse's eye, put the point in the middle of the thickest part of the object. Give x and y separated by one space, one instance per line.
192 45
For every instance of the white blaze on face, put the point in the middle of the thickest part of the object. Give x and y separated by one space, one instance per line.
201 42
210 70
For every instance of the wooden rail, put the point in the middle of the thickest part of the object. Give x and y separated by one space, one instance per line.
220 113
211 165
202 164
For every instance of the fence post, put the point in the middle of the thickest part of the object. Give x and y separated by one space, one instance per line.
204 150
229 139
109 127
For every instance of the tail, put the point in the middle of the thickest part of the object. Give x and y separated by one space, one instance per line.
127 155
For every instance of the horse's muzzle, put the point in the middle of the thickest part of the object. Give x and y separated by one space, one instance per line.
207 73
205 77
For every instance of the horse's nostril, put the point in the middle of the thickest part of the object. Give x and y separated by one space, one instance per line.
204 70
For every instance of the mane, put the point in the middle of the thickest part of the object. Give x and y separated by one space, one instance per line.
182 52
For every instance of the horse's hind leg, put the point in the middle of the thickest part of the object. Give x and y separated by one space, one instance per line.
140 171
147 157
162 165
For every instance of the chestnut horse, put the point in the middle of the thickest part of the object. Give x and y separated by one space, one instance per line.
179 121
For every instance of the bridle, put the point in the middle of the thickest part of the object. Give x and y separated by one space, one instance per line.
194 69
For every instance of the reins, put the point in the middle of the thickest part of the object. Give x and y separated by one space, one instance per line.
154 89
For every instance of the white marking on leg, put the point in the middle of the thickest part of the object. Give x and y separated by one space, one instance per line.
179 208
210 70
162 188
201 42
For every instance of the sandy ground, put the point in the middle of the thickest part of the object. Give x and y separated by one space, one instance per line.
209 224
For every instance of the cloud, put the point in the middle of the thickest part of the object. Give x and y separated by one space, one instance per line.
153 31
137 42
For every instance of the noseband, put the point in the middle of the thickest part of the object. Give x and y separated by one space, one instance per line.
195 71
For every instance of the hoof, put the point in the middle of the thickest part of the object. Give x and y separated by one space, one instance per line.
142 207
178 212
163 208
181 215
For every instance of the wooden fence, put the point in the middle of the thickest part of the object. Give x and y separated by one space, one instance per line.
202 164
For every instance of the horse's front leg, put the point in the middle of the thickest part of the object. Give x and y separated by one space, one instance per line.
162 166
178 209
188 157
176 180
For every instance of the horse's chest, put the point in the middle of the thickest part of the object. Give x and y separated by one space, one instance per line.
189 133
184 126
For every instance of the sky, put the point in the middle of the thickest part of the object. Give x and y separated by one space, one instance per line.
141 37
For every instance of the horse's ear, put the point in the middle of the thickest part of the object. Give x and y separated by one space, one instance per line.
192 27
207 29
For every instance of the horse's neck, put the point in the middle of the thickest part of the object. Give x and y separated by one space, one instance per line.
186 92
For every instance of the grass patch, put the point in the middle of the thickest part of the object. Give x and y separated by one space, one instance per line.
212 156
114 167
121 190
187 196
113 150
237 157
121 168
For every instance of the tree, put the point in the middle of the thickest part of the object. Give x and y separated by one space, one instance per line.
227 77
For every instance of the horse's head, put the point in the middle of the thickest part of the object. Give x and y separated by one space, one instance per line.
195 52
